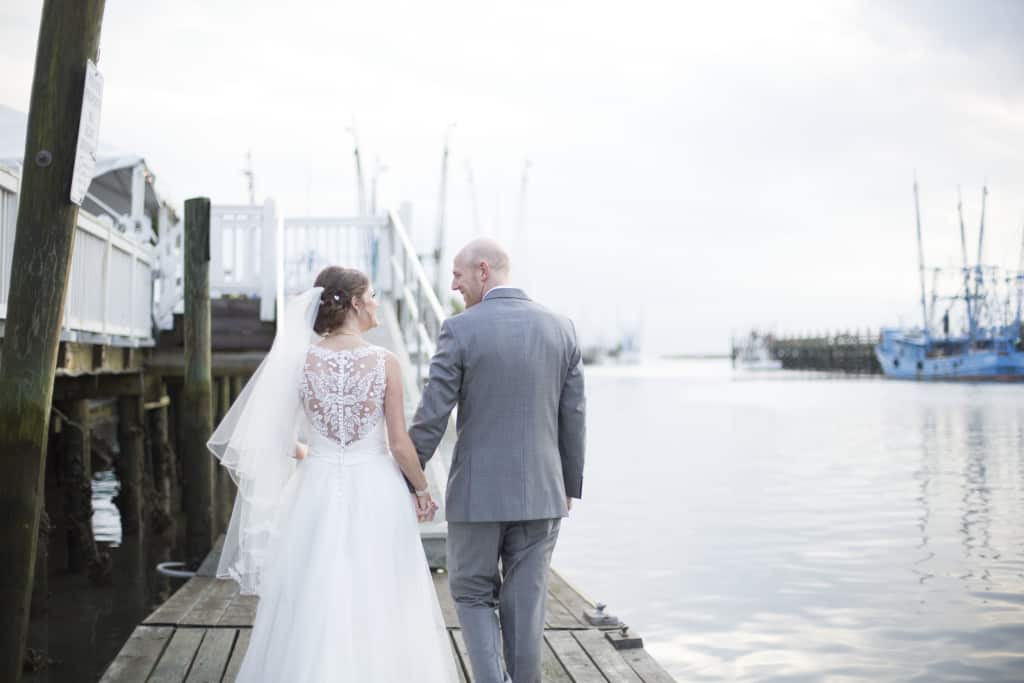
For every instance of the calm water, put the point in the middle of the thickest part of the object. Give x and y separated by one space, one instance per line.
791 528
85 625
779 527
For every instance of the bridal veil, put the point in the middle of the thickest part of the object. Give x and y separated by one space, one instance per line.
256 442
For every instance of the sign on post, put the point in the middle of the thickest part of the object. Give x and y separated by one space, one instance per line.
88 134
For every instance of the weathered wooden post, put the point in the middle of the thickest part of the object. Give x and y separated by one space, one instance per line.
77 475
130 462
225 486
161 457
196 395
69 35
237 384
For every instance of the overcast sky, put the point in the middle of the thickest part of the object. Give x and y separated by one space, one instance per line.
697 168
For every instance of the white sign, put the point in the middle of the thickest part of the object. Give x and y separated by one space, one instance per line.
88 134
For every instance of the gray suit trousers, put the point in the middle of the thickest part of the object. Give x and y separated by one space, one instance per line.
518 592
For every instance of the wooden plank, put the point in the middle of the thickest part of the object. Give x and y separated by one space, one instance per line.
235 663
568 596
607 658
552 670
444 597
460 647
572 656
558 616
645 666
241 611
139 655
213 655
181 602
209 609
460 666
177 658
172 364
75 358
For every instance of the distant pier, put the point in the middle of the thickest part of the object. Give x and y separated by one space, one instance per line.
848 352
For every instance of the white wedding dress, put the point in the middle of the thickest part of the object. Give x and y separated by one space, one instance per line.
345 590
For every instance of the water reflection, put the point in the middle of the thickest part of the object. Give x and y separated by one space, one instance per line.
106 520
86 625
790 529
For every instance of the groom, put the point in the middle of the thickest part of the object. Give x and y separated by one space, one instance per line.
513 368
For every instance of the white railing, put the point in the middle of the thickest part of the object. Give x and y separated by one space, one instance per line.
169 289
8 219
250 251
243 252
420 313
110 295
110 289
381 248
310 244
243 246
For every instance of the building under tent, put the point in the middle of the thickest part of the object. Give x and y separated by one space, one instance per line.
122 196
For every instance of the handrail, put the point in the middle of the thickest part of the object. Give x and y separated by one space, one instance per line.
417 267
414 294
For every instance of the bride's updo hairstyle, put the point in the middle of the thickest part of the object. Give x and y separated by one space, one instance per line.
340 285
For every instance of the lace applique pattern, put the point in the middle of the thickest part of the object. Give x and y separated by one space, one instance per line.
343 391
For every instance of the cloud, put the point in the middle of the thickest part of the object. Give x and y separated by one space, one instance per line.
699 167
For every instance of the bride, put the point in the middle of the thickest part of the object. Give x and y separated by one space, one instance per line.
325 532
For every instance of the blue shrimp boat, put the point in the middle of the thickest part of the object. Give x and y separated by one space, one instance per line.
989 345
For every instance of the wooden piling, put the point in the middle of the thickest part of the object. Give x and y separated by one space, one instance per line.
225 487
77 475
130 463
197 401
161 457
69 34
237 384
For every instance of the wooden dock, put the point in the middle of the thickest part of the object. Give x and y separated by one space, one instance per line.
201 633
847 352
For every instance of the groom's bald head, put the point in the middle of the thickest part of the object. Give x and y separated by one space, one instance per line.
485 250
480 266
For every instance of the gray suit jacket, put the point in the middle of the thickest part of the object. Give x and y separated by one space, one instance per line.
514 369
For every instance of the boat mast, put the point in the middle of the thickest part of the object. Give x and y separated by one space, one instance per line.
967 268
250 178
442 203
978 272
472 197
1020 282
360 184
378 169
521 218
920 262
521 234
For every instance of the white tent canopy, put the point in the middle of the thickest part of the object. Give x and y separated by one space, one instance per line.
111 191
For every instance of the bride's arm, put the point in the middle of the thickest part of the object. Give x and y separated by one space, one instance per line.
394 415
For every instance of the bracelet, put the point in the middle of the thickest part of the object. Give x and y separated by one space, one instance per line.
422 493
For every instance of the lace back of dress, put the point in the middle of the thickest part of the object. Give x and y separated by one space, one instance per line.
343 391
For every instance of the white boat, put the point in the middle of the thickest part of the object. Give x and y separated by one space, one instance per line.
754 354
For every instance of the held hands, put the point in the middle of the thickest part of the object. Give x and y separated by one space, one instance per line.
425 507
